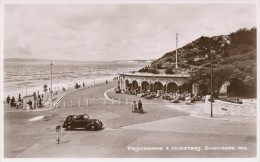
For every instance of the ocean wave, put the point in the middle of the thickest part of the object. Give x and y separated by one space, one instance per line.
17 76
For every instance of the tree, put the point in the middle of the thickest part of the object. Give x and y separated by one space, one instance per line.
148 69
169 71
158 66
250 81
236 82
220 75
202 78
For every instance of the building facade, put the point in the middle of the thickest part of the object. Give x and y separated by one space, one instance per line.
151 82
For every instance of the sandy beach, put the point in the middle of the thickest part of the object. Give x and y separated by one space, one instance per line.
57 87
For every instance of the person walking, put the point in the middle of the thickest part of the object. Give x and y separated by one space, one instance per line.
30 104
8 99
12 101
140 106
135 107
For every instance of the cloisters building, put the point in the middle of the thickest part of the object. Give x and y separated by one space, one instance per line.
152 82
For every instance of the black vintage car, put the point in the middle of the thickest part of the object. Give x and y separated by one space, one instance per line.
82 121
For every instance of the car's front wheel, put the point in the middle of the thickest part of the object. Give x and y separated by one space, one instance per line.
69 127
91 127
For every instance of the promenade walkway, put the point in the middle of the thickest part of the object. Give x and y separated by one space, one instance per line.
161 126
56 99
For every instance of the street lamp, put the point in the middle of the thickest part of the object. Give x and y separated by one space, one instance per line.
51 85
212 52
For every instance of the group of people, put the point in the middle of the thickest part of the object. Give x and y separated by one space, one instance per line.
138 107
37 101
132 92
175 96
172 96
10 101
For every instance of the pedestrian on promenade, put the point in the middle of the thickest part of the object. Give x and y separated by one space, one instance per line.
40 102
39 96
135 107
8 99
19 97
12 101
140 106
30 104
19 104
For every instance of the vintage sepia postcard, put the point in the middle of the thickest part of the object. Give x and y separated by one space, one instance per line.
127 79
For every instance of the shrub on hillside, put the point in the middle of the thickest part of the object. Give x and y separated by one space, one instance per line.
148 69
169 71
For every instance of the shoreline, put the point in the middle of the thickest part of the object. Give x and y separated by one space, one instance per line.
30 77
58 98
57 88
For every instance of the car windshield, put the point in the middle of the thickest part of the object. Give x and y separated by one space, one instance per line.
80 117
69 118
86 116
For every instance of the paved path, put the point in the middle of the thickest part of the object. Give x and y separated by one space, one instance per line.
125 132
194 109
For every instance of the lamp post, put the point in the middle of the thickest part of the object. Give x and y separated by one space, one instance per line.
51 85
212 52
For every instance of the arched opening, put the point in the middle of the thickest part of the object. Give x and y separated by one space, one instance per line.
145 86
185 87
134 85
172 87
127 85
158 86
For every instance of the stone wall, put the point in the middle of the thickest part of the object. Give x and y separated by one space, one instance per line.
233 109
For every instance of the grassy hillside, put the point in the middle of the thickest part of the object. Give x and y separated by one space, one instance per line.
228 49
234 60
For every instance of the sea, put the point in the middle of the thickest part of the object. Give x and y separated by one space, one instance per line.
26 77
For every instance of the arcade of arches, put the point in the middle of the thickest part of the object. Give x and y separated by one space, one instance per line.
151 83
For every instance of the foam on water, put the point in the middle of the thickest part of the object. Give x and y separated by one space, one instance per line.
36 118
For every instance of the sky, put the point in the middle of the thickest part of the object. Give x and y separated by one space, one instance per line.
105 32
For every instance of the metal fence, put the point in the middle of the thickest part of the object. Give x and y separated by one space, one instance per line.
89 101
